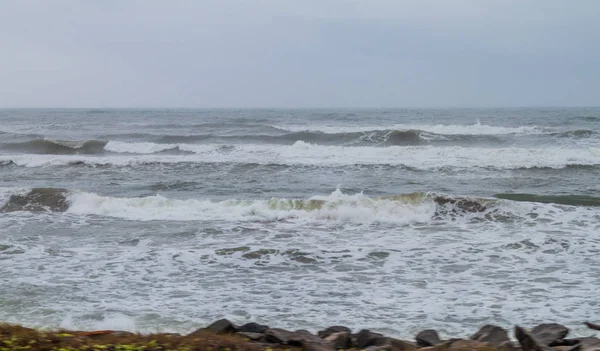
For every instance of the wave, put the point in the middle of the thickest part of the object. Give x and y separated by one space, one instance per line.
404 208
375 137
425 158
571 200
419 207
57 147
443 129
577 133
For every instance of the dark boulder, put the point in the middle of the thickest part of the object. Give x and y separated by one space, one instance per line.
279 336
286 337
528 341
463 204
332 330
365 338
491 334
592 325
339 340
427 338
251 336
586 344
401 345
253 328
550 333
222 326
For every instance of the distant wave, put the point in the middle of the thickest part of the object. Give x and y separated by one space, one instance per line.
376 137
301 153
444 129
57 147
572 200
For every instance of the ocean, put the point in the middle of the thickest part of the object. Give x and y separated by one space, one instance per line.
396 220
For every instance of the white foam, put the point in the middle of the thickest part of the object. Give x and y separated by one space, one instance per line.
138 148
336 207
448 129
302 153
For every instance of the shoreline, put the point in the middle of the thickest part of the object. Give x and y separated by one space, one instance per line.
224 335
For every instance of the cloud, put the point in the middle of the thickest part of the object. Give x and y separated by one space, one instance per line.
270 53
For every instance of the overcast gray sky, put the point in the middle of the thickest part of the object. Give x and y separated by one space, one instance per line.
305 53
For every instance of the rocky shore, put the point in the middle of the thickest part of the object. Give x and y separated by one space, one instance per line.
224 335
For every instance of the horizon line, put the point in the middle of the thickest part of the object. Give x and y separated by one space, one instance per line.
291 107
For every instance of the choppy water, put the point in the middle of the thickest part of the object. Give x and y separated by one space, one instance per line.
396 220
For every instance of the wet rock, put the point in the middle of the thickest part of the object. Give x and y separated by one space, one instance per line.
528 341
463 204
222 326
253 328
491 334
427 338
286 337
317 346
587 344
340 340
278 336
401 345
251 336
332 330
592 325
304 336
38 200
366 338
456 344
550 333
385 347
576 347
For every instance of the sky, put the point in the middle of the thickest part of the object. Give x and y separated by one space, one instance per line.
304 53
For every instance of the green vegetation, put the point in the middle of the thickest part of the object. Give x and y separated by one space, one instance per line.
17 338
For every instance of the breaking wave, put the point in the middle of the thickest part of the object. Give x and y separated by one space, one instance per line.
410 208
443 129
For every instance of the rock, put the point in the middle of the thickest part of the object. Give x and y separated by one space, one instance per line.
592 325
286 337
317 346
456 344
428 337
491 334
250 335
586 344
278 336
401 345
253 328
576 347
222 326
339 340
366 338
332 330
386 347
550 333
464 204
304 336
38 200
528 341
